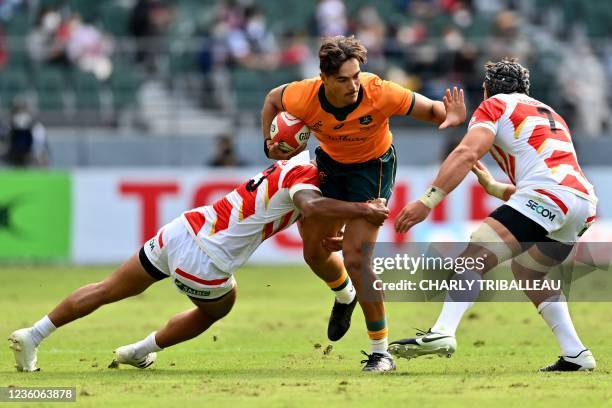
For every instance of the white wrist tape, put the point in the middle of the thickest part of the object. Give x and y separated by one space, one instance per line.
432 196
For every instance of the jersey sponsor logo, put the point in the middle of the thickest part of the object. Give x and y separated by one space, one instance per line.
191 291
365 120
540 209
345 138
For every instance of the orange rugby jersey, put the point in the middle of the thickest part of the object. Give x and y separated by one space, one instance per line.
356 133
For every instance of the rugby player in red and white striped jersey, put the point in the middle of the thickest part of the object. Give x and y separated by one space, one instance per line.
549 205
200 251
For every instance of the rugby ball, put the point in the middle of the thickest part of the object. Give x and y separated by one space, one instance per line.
289 132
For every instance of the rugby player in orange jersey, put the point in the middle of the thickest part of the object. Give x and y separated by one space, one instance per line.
348 111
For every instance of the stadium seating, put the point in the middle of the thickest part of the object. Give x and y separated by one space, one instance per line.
251 86
48 84
51 86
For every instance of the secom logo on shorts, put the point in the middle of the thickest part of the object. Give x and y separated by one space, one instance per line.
191 291
540 209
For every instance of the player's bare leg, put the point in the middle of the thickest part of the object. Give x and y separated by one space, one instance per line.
359 237
181 327
552 305
323 263
128 280
493 244
523 269
329 267
191 323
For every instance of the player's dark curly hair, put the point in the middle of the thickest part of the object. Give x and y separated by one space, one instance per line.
506 76
335 51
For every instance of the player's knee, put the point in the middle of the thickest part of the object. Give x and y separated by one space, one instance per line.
487 243
354 262
217 313
315 256
525 263
217 310
521 273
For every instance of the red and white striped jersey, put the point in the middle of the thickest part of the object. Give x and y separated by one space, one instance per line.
533 144
231 229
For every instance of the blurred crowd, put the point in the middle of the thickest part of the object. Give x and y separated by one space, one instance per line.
60 36
422 44
427 44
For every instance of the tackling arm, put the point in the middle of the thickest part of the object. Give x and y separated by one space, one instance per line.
457 165
312 204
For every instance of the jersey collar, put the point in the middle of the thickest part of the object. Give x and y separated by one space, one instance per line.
339 113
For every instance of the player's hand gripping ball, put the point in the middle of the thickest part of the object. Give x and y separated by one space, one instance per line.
289 132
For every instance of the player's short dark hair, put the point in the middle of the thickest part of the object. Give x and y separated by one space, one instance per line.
506 76
335 51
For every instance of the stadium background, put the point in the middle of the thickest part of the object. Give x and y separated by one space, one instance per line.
152 107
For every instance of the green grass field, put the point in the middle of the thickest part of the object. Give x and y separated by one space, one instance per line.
270 350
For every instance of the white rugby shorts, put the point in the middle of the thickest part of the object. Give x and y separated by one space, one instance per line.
174 253
564 215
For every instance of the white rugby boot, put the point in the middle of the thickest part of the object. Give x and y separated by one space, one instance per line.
583 361
125 355
425 343
24 350
377 362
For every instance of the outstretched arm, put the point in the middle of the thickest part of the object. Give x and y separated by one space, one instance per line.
451 111
312 204
457 165
475 144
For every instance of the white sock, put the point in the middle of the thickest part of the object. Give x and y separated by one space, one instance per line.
380 346
450 316
41 329
556 314
347 293
457 302
146 346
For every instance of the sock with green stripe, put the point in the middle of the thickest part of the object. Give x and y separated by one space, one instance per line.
343 289
378 334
